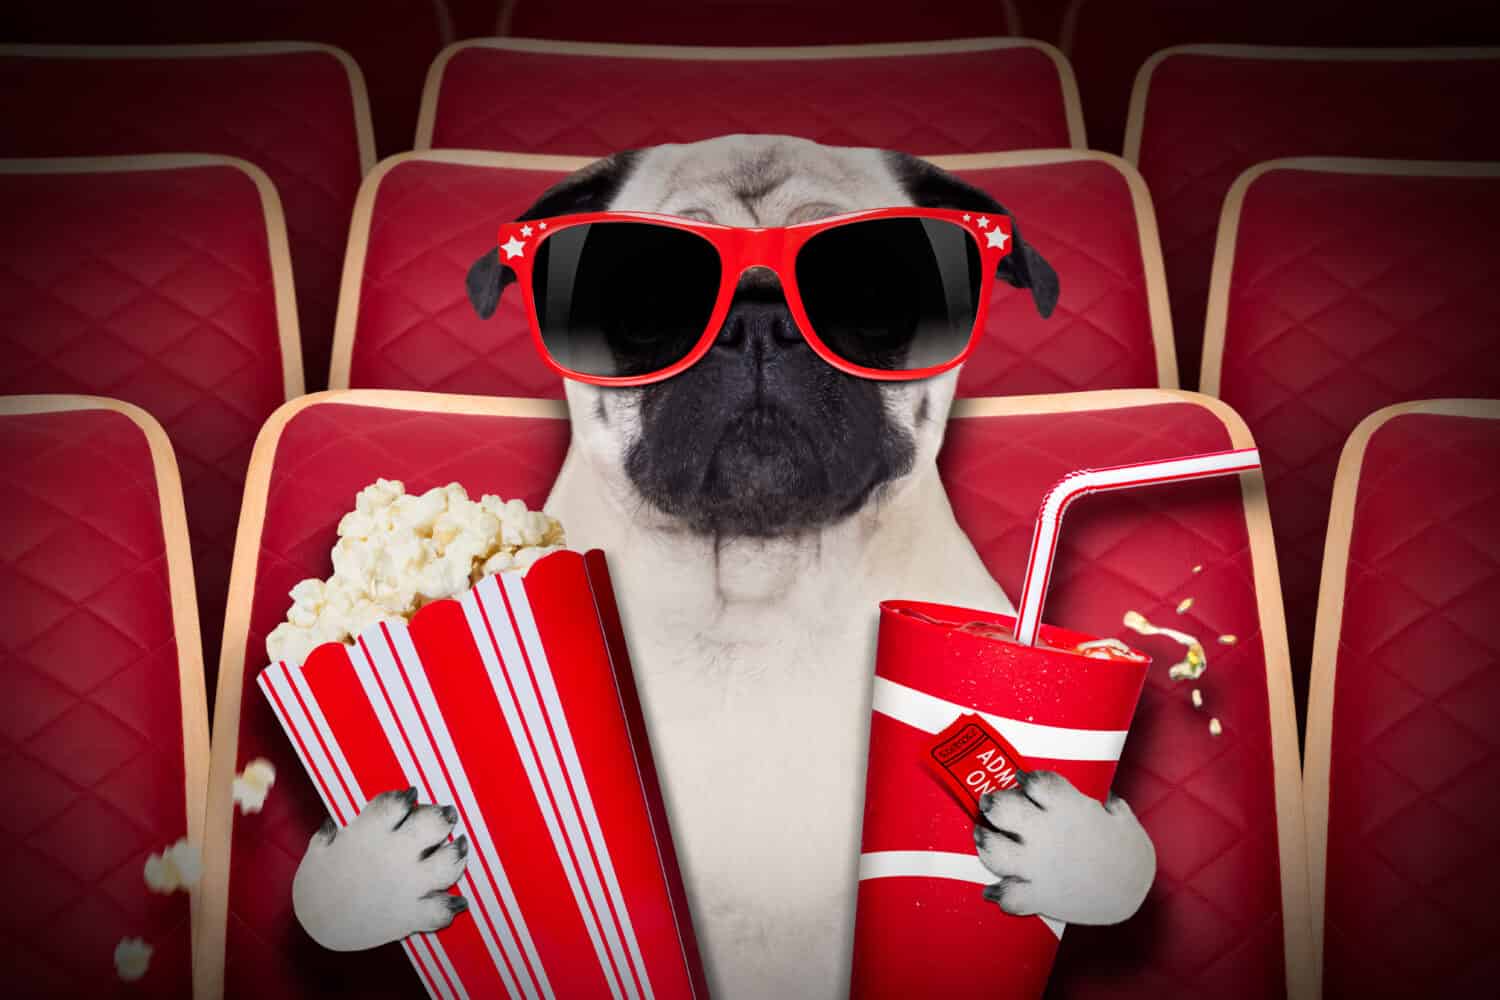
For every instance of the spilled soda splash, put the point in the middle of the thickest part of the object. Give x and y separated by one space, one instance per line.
1192 665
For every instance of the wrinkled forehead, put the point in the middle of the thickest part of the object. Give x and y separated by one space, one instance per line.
759 180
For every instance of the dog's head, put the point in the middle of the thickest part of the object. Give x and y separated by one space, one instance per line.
761 437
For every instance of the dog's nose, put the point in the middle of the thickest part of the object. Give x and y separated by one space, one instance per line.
758 319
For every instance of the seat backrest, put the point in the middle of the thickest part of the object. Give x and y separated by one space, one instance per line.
1228 912
1318 317
423 218
755 22
1227 916
298 111
1402 762
313 455
105 730
585 99
164 281
1200 115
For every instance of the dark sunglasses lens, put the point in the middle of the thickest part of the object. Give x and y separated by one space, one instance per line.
892 294
618 299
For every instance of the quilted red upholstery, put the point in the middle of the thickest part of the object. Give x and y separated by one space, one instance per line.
415 328
1413 826
1108 41
155 287
1329 320
758 22
1213 921
591 105
1209 117
288 110
91 724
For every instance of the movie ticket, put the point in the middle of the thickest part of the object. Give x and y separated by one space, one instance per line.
972 760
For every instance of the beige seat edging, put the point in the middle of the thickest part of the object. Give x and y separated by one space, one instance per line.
507 10
289 339
1135 120
191 686
1072 106
1326 635
209 953
1216 321
351 288
363 125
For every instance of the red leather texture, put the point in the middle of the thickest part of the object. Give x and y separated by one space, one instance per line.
1331 319
1213 921
757 22
415 328
1210 117
1413 826
91 728
155 287
289 113
958 102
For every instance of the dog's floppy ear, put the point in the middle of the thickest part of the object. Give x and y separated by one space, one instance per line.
588 190
931 187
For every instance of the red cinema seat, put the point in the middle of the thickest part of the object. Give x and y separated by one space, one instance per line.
1402 760
1228 912
297 111
1200 115
755 22
583 99
1317 318
104 734
423 218
163 281
313 456
1107 41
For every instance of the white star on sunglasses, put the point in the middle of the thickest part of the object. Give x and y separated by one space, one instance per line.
996 238
512 248
525 230
984 220
543 225
967 217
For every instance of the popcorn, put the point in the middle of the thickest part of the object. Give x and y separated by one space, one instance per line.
1198 568
1183 606
132 958
1192 665
252 784
1214 728
178 867
1228 640
397 552
1197 698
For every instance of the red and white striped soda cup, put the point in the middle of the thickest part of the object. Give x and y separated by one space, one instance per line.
515 704
922 927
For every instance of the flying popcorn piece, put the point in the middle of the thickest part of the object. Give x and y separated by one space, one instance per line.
252 784
178 867
1192 665
1214 728
1228 640
132 958
1197 698
1198 568
1183 605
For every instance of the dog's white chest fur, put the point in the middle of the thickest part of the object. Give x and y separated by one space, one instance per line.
755 678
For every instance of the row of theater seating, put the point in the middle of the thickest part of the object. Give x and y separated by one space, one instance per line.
1345 286
1270 882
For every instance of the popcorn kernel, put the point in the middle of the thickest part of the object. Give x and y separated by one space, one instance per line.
1197 698
1183 605
252 785
1228 640
132 958
1214 728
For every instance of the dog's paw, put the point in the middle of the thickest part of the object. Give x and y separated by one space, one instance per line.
382 877
1063 855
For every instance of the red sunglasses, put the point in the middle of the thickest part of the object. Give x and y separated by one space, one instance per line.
630 298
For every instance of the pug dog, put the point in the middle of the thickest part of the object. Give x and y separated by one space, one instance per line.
756 508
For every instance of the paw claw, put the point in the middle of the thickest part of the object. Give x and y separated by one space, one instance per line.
450 814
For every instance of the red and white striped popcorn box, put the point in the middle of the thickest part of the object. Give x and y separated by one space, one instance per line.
514 703
922 927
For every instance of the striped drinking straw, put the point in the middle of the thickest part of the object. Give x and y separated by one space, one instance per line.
1085 481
